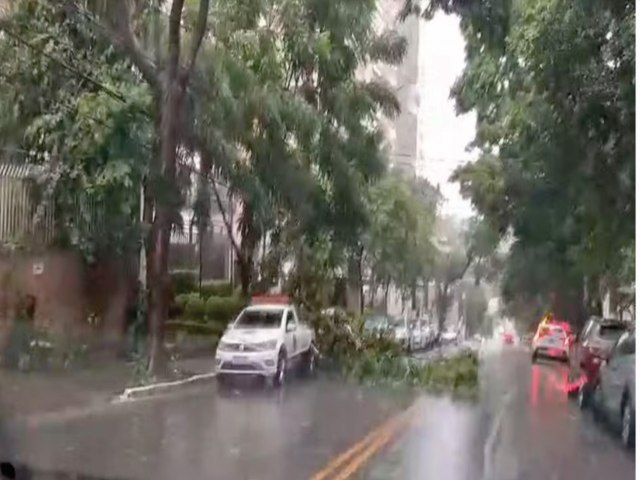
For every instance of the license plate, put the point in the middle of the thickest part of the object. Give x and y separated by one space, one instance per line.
239 359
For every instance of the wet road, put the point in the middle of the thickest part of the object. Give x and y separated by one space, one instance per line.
204 433
522 427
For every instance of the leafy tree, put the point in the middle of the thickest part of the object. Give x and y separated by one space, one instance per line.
261 94
74 107
553 85
397 245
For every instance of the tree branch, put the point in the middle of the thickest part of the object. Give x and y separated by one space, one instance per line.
175 17
198 35
206 165
122 37
226 221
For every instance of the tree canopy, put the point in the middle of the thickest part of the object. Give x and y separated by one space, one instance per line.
115 99
553 85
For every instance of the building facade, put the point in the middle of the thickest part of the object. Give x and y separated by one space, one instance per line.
401 133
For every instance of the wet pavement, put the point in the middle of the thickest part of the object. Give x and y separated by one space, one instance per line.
208 433
522 427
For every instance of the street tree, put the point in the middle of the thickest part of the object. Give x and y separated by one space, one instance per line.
553 86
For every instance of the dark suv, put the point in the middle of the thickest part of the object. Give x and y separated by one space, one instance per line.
591 349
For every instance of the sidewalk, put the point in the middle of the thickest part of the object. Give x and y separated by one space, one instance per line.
23 394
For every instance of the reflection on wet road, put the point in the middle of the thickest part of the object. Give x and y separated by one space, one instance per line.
522 427
249 433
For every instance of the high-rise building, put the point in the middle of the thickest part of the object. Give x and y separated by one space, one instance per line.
402 132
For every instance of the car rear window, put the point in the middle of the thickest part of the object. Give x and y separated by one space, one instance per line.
551 331
554 331
611 332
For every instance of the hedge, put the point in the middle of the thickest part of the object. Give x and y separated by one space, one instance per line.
186 281
195 307
195 328
216 288
223 309
219 309
183 281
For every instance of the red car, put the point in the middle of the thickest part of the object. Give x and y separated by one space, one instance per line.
590 350
507 338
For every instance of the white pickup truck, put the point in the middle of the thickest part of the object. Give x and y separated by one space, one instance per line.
268 339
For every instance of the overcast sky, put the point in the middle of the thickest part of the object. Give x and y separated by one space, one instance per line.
444 135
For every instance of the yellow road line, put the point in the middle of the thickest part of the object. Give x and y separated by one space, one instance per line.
360 460
360 445
365 448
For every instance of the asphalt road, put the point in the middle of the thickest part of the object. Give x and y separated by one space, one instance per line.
522 427
248 433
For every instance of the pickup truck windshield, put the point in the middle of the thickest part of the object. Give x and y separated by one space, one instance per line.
259 319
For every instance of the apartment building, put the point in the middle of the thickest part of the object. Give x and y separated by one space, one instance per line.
401 133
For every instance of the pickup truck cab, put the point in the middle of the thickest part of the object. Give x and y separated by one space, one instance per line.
267 339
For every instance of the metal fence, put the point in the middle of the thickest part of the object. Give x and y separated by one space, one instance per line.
22 220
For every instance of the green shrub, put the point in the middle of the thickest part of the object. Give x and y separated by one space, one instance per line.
183 281
195 307
194 328
223 309
216 288
32 349
185 343
181 301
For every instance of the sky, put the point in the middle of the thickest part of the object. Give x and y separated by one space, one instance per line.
443 135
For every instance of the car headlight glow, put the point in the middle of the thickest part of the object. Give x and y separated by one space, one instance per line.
267 345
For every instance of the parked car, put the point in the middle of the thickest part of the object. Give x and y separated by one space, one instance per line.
551 340
430 333
419 335
614 398
415 335
403 334
507 338
267 338
449 336
592 348
377 324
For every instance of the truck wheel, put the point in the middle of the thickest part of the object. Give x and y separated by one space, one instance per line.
309 362
534 356
281 370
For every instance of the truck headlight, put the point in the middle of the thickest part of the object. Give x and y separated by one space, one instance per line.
265 346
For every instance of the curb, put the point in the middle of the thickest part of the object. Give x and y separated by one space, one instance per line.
148 390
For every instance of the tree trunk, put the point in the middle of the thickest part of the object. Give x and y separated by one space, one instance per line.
414 295
441 303
353 284
387 283
360 279
373 289
158 310
201 230
426 295
244 271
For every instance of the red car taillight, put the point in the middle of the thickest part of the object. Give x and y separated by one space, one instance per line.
596 352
